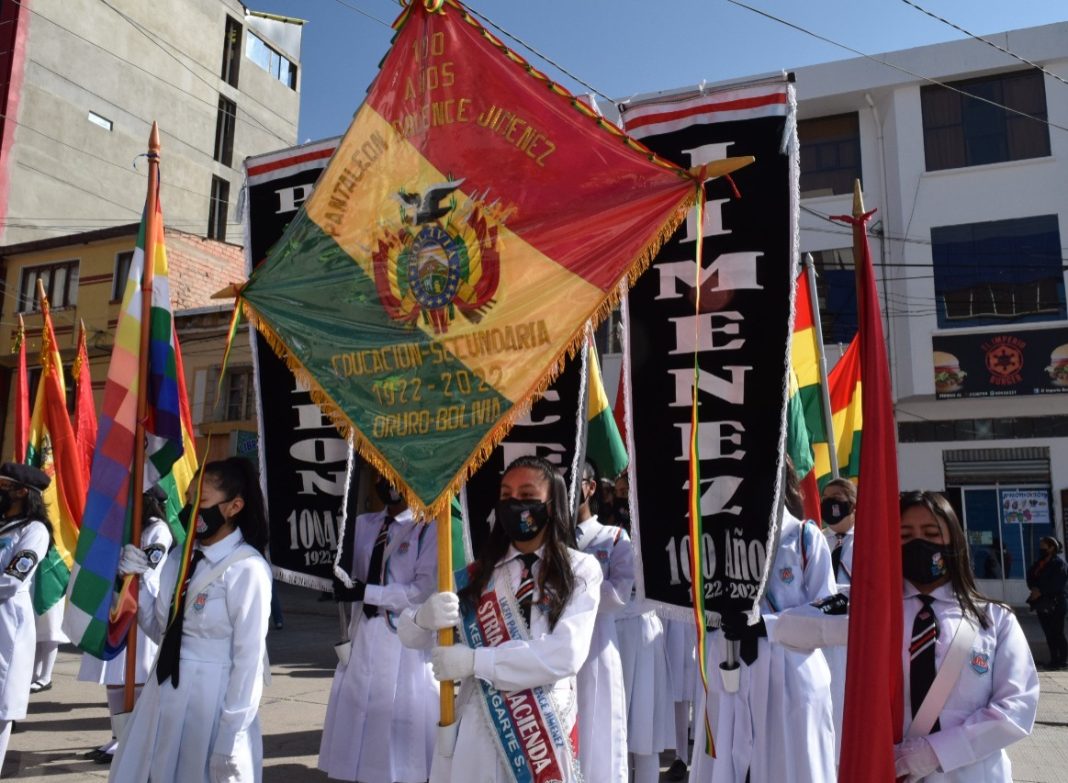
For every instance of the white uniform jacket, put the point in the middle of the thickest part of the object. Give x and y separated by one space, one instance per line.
22 547
993 703
551 659
383 707
836 656
778 726
995 700
602 703
174 731
156 540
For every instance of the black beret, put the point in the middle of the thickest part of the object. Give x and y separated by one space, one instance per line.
27 475
157 494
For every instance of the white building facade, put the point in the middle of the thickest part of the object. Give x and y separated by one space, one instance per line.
969 244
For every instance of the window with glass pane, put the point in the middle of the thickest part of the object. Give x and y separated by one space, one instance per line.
240 395
60 284
231 51
217 208
122 273
836 291
999 271
275 63
225 127
969 130
830 154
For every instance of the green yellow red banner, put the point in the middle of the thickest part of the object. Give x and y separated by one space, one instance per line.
473 219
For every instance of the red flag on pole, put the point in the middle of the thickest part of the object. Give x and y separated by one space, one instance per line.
84 407
873 695
22 395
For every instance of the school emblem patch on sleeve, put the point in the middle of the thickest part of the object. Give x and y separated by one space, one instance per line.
980 662
22 564
155 553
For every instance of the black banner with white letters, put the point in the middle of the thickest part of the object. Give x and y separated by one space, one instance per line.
742 338
303 457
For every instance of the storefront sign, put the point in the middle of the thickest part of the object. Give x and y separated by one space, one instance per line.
1025 507
1001 364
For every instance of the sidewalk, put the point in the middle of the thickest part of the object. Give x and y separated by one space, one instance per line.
71 718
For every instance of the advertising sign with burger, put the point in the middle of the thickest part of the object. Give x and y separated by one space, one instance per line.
1001 364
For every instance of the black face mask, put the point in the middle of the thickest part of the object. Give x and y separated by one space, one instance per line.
212 518
387 493
923 562
834 510
6 501
522 520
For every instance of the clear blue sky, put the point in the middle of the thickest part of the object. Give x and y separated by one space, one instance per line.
623 47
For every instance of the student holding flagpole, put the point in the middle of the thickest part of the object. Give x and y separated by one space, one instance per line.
970 684
380 720
157 540
25 535
197 718
526 609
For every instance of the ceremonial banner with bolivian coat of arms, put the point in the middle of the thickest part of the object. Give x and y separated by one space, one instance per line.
474 218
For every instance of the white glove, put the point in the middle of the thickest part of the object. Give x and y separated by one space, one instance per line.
441 610
914 759
133 561
452 663
223 768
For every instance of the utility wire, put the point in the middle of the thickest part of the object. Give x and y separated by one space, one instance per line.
987 41
361 12
903 70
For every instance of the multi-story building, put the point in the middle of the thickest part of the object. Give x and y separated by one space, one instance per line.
964 151
84 276
81 82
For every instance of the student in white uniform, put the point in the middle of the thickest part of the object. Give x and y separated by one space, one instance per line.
778 727
49 637
196 719
602 702
839 512
383 708
680 638
994 697
157 540
25 535
526 610
646 679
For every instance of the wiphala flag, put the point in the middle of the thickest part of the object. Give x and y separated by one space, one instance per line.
473 219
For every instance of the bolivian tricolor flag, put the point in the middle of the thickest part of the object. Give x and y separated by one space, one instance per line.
846 409
474 218
805 434
53 448
604 444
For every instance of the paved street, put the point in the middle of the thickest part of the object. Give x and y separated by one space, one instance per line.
71 718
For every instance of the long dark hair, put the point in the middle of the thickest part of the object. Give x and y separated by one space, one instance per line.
957 555
237 477
33 507
556 580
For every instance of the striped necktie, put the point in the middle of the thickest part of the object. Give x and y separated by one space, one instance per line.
525 592
836 554
374 569
922 654
170 649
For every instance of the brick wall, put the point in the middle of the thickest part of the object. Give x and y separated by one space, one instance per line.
199 267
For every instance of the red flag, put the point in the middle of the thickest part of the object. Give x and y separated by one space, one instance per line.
873 695
22 396
619 410
84 407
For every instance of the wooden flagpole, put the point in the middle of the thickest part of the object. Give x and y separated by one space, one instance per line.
446 636
138 475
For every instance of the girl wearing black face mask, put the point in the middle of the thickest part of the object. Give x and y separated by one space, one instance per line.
996 692
526 610
1048 580
198 710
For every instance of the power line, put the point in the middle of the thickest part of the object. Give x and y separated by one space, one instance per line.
987 41
364 13
254 122
888 64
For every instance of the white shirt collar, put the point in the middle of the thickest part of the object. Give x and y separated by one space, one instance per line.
214 553
941 593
